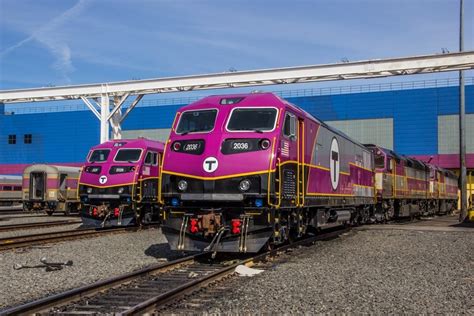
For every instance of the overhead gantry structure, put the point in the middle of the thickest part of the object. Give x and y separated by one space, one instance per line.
105 100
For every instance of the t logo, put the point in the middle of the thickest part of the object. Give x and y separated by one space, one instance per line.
103 179
210 164
334 163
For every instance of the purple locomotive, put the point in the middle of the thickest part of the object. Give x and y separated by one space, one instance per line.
119 183
248 170
407 187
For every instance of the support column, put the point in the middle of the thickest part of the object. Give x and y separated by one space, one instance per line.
462 124
104 117
116 118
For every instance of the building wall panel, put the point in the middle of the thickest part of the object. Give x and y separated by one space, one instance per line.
369 131
448 134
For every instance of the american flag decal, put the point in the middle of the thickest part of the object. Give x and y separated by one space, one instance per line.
285 148
146 171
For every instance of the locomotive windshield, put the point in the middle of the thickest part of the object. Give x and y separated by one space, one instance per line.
128 155
196 121
379 161
99 155
252 119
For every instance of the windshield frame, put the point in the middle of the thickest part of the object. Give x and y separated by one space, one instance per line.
98 161
277 117
198 132
128 161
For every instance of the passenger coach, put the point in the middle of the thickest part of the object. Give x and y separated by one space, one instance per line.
51 188
10 190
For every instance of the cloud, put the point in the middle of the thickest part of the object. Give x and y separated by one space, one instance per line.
46 35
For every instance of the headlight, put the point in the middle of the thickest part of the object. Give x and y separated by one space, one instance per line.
120 190
182 185
244 185
89 190
264 144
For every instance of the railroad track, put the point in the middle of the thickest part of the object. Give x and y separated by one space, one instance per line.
150 288
43 238
4 228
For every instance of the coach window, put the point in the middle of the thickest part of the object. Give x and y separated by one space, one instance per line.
289 128
11 139
151 158
28 138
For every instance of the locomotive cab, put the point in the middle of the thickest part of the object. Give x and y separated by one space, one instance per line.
215 175
119 183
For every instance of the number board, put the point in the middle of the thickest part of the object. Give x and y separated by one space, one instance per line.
233 146
195 147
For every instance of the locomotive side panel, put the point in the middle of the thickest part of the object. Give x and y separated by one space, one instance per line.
340 172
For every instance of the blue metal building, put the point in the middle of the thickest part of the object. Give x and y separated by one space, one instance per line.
417 118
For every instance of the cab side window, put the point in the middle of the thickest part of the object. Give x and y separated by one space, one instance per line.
289 128
151 158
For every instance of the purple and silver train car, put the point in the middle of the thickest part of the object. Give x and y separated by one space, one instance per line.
248 170
52 188
10 190
119 183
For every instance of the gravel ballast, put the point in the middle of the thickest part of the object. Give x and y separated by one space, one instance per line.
23 232
36 219
381 272
93 258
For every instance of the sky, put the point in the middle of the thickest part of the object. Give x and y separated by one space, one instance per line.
66 42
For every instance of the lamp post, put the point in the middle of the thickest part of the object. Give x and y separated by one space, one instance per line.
462 123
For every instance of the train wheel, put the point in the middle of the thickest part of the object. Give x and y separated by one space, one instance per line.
50 212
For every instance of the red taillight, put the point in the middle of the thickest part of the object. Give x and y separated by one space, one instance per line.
193 228
116 212
176 146
236 223
94 211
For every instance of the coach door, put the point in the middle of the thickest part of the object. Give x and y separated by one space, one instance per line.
37 185
63 186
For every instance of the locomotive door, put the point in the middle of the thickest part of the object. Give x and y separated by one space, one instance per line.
150 170
289 162
301 163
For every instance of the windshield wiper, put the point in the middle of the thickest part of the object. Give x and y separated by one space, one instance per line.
191 131
258 131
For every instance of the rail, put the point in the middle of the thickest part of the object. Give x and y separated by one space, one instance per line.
144 290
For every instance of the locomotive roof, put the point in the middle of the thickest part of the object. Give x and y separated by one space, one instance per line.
388 152
261 99
129 143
